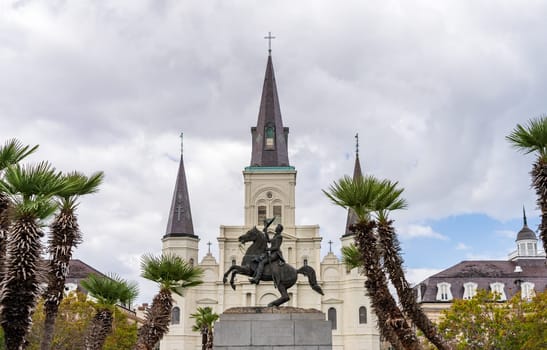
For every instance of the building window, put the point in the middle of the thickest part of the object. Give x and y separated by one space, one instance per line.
261 214
305 262
175 315
277 214
269 140
191 262
443 291
497 288
331 315
362 315
469 290
527 290
233 261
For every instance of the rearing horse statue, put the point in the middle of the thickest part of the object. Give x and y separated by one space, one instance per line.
284 276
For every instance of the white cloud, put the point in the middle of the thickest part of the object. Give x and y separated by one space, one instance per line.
417 275
432 88
419 231
462 246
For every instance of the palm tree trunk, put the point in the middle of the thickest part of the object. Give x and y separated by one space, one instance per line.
391 320
65 234
539 182
209 338
99 329
4 227
157 321
393 263
21 285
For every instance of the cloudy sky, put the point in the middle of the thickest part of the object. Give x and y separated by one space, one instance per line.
431 87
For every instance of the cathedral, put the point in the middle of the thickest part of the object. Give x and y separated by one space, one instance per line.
270 181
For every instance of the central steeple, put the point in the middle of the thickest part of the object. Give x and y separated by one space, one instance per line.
269 137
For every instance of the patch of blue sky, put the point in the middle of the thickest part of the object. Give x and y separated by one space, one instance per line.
469 237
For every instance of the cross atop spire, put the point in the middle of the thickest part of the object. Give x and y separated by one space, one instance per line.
181 145
269 37
357 144
209 248
330 246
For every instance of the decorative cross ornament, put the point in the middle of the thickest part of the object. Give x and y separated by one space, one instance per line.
269 37
330 246
181 142
180 210
357 143
209 244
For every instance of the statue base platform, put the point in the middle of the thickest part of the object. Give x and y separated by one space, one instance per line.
272 328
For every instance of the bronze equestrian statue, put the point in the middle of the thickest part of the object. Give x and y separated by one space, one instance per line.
264 263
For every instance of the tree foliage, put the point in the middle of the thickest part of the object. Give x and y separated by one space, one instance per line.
75 315
484 323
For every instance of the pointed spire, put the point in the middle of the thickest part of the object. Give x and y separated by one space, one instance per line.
269 137
180 216
352 217
524 216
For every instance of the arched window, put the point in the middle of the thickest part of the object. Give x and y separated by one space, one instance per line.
191 261
362 315
233 261
270 137
331 315
175 315
261 214
305 262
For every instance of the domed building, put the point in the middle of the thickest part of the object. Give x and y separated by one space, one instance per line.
525 271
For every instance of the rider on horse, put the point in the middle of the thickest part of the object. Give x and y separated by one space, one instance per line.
273 253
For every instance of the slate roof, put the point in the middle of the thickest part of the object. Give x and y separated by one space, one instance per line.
484 272
180 216
269 115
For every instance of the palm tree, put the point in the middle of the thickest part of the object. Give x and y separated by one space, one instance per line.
532 138
109 291
173 275
361 195
389 200
11 153
30 189
64 236
205 320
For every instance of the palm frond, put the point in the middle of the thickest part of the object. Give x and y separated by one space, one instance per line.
14 151
358 194
111 289
30 180
78 184
531 137
388 199
351 256
170 272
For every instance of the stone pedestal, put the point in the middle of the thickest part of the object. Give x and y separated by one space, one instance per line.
270 328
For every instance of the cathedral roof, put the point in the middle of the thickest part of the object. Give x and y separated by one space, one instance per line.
525 232
180 216
269 136
352 217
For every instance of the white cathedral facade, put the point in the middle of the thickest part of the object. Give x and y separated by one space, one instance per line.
269 191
